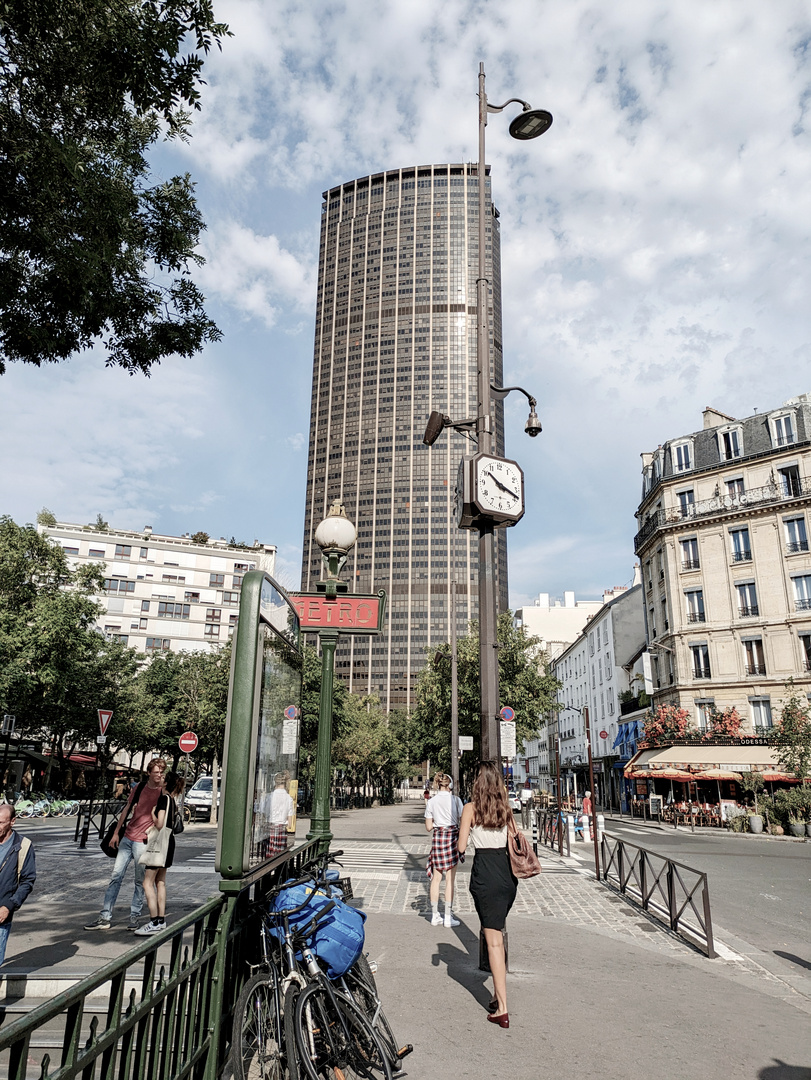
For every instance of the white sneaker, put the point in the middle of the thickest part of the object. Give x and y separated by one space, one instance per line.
450 920
149 928
436 919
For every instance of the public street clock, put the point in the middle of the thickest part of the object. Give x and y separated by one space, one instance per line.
489 488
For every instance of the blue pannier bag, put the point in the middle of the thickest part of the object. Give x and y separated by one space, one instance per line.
338 940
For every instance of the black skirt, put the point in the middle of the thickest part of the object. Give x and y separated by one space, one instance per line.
493 886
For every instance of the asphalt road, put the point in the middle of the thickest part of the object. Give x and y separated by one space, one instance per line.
760 887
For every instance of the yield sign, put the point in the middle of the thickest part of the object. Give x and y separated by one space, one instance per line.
105 716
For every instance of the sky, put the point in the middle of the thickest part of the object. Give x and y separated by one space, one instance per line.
655 260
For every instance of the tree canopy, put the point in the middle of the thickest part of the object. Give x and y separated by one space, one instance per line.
91 249
524 684
791 737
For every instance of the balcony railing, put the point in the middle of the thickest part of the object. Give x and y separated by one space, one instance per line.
755 669
747 612
803 605
796 546
690 564
722 504
696 616
742 556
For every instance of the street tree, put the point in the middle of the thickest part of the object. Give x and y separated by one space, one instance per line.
524 683
791 735
93 248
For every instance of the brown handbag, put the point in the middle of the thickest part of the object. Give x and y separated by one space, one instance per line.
523 860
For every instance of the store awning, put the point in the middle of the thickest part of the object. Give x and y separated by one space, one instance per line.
709 762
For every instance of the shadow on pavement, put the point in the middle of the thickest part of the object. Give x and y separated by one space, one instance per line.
44 956
462 964
792 958
781 1071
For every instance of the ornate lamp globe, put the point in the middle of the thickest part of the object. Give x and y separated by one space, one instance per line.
336 532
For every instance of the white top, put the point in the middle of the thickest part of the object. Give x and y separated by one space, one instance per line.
281 807
488 838
445 809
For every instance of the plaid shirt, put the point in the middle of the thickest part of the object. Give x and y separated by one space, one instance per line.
444 850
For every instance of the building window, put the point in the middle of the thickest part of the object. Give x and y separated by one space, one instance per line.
173 611
790 485
682 458
747 599
242 567
761 710
216 579
213 614
700 656
230 597
689 554
735 488
237 582
753 657
783 430
156 644
695 606
212 630
805 645
686 502
123 551
730 444
71 550
741 548
142 624
796 536
704 710
144 552
144 605
665 623
118 585
174 579
191 597
652 622
802 592
96 553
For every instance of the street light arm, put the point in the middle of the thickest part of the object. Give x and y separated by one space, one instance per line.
504 390
512 100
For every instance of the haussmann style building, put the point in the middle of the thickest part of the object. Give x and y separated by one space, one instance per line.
395 337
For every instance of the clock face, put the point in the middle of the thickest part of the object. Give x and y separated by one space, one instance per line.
499 487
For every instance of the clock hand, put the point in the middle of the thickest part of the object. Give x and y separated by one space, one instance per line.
502 486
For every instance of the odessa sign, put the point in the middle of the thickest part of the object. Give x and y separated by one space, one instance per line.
350 613
187 742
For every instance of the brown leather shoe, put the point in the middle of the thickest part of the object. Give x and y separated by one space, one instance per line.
502 1021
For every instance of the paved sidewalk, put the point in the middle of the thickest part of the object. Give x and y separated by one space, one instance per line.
595 987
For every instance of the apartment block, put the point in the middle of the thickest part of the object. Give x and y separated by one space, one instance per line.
164 593
723 542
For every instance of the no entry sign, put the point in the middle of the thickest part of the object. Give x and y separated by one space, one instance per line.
187 742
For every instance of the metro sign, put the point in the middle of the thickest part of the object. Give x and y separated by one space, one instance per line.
349 613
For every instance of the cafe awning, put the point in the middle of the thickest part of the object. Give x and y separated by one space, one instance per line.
706 762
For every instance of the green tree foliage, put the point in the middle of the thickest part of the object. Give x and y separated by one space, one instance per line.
369 751
791 737
45 517
56 670
524 684
90 247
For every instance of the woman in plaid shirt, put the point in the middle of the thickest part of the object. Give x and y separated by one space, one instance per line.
442 814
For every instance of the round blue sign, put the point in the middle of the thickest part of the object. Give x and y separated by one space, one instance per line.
507 713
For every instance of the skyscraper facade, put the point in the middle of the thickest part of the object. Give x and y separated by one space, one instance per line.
395 337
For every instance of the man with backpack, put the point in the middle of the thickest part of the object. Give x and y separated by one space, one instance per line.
137 816
18 872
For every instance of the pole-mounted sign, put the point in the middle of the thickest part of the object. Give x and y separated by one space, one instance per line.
188 742
105 716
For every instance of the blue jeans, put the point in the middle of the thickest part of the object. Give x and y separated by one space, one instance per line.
4 929
128 851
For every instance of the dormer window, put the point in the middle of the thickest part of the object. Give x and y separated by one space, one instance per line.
730 443
682 457
782 429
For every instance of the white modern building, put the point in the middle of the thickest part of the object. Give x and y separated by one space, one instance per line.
164 593
556 622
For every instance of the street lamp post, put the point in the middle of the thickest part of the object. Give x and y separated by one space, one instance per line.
335 536
528 125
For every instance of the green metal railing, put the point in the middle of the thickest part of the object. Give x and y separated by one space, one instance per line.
162 1010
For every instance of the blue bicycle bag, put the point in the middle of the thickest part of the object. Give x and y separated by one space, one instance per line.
338 939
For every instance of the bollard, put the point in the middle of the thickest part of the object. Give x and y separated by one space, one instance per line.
79 818
584 821
534 815
600 827
570 830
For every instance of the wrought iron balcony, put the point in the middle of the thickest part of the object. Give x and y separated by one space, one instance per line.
755 669
690 564
796 546
742 556
701 673
748 612
723 504
803 605
696 616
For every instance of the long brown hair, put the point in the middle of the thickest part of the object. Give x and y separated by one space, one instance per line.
490 797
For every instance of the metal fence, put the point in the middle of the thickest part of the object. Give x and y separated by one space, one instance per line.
671 892
551 826
161 1011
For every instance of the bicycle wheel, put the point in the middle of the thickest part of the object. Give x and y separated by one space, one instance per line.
256 1047
360 982
335 1040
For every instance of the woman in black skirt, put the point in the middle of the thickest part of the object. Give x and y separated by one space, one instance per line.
492 882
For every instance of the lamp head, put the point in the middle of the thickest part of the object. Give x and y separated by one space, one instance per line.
433 429
533 424
530 123
336 532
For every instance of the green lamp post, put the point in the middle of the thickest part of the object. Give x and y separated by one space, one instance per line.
336 537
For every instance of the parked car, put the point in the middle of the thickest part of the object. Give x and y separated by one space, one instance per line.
198 797
514 800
